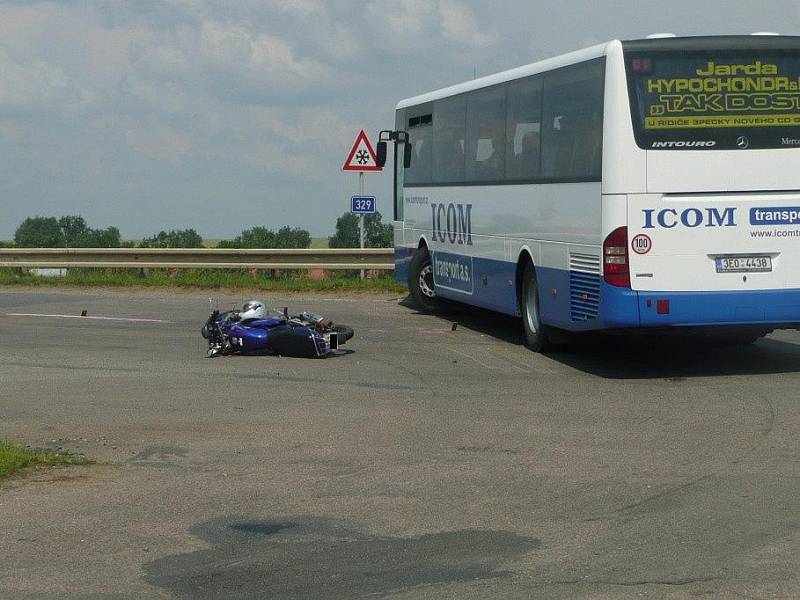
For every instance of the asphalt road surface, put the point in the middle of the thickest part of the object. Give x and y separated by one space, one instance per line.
426 463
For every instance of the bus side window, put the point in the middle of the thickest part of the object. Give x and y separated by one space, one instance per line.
573 113
523 131
486 135
420 134
448 140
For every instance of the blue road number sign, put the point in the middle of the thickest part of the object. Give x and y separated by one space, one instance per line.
362 204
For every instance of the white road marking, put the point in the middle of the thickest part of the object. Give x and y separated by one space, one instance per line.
96 318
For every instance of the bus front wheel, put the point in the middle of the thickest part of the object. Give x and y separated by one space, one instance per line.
420 281
536 337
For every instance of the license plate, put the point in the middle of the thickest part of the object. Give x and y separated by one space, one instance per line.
743 264
333 340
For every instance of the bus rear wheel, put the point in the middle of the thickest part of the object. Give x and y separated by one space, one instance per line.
536 335
420 281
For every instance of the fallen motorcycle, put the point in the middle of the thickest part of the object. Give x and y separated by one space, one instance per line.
253 329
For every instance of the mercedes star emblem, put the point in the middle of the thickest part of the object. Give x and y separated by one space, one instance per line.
742 142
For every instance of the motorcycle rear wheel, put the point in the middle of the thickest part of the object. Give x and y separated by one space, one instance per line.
345 332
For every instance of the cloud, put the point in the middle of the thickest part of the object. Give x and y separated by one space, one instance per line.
36 85
302 8
158 141
404 19
233 62
459 25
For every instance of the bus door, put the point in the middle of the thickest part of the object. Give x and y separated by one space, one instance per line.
402 160
399 183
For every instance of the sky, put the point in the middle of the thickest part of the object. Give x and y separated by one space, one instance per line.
221 115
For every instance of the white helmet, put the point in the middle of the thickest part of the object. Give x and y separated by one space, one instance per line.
253 309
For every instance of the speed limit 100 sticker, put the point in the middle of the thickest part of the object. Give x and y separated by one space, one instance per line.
641 244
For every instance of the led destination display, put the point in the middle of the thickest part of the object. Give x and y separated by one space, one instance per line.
714 98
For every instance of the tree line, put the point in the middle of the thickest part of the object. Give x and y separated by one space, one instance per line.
72 231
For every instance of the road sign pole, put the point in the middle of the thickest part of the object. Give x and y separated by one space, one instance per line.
361 158
361 217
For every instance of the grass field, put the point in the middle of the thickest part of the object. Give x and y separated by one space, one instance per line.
202 279
14 457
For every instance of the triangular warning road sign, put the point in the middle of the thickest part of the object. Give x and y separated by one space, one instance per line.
362 156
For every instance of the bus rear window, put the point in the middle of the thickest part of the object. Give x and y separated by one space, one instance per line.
715 100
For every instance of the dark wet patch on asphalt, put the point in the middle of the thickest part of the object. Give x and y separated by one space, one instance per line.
317 558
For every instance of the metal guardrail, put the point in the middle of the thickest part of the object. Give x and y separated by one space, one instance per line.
199 258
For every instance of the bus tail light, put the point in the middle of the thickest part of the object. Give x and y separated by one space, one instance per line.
615 258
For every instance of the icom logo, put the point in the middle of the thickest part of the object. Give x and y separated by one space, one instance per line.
668 218
452 223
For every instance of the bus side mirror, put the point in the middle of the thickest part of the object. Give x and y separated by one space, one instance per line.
380 159
407 155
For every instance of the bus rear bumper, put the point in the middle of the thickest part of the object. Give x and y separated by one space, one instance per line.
623 308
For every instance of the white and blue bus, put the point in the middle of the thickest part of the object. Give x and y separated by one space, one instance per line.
633 185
